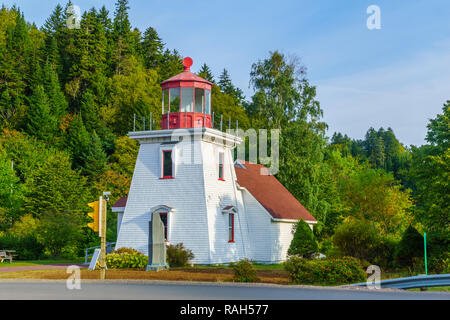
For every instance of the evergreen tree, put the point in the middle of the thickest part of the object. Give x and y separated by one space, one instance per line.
410 246
205 73
122 38
171 65
89 111
56 98
14 67
39 120
152 48
303 244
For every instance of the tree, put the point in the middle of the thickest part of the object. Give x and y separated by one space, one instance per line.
357 238
11 193
205 73
171 65
135 91
89 111
226 86
152 48
56 188
56 99
87 151
429 175
304 243
374 195
410 246
39 120
282 92
122 37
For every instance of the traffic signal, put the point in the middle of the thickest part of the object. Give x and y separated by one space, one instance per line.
94 215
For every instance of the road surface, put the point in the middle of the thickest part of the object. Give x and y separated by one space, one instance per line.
138 290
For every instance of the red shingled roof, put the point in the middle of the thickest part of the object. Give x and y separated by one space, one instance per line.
121 203
270 193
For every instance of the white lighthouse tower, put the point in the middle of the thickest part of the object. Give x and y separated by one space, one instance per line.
186 173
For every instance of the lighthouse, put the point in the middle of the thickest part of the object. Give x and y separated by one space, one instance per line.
221 209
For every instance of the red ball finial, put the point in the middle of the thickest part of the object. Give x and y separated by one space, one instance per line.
187 63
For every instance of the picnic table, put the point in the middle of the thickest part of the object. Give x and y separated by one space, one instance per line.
7 254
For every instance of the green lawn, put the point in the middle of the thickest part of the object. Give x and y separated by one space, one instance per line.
23 263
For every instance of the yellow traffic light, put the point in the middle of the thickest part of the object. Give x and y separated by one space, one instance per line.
94 215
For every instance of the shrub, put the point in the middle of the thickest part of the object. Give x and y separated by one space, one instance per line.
27 247
304 242
178 256
244 271
126 250
358 239
325 271
126 260
409 247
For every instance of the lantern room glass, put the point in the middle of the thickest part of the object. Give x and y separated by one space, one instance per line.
165 101
187 99
208 101
174 99
199 100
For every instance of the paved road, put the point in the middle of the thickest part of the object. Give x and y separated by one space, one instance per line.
138 290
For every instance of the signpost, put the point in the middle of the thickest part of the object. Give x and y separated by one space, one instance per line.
99 224
102 228
425 247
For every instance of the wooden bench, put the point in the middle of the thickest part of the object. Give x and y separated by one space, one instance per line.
7 254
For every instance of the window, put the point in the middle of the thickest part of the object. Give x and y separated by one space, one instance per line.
165 101
221 166
187 99
167 164
208 101
163 216
174 99
231 227
199 100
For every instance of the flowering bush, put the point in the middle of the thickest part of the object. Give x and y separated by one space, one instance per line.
126 260
325 271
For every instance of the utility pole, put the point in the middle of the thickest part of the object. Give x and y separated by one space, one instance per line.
102 238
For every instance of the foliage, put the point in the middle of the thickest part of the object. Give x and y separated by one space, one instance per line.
304 243
126 260
360 239
178 255
374 195
410 246
430 175
325 271
26 246
244 271
125 250
11 193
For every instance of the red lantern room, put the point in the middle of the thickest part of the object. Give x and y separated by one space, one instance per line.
186 100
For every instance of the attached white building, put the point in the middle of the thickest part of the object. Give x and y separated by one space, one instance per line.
222 210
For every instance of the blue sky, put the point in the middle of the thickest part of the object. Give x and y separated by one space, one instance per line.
397 76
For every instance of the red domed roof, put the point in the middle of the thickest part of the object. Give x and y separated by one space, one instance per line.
186 78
